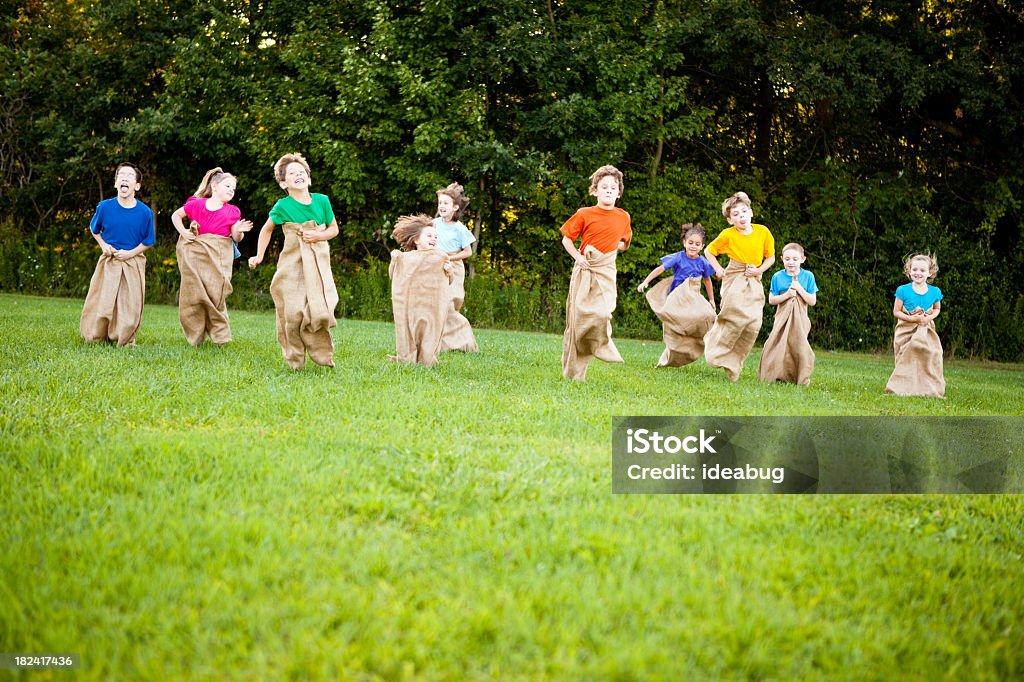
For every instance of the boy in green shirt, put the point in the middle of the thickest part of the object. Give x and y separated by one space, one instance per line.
303 287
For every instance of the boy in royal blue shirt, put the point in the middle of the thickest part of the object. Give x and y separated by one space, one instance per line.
123 227
686 264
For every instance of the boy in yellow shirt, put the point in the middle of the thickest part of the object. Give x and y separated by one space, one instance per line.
751 251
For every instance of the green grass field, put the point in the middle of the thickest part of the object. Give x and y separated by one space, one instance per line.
178 513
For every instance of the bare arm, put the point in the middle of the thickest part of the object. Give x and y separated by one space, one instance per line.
713 259
768 262
918 317
798 290
262 243
179 225
574 252
656 272
709 287
106 248
122 254
329 232
465 253
239 229
809 299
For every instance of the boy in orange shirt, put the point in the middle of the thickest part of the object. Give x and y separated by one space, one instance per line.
603 231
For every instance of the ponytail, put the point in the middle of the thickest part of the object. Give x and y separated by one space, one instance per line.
211 178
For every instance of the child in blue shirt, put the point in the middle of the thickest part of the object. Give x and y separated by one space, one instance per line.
787 355
686 264
915 343
685 316
123 227
793 281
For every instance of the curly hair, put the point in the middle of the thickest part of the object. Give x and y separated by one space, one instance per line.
603 172
933 264
458 197
281 167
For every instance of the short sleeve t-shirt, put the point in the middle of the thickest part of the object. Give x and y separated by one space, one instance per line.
452 237
751 249
289 210
602 228
683 268
123 228
913 301
781 281
217 222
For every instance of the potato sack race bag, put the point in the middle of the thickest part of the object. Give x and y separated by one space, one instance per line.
918 361
113 306
205 264
588 315
732 337
304 297
420 301
685 316
787 355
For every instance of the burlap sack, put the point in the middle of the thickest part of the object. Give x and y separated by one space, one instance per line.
787 355
458 334
458 285
731 338
420 301
304 297
918 361
205 264
685 316
113 306
588 315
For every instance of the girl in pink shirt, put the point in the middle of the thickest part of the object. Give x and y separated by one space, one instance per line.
205 253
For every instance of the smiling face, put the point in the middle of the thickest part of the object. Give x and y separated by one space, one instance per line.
126 182
791 260
445 207
692 245
427 239
607 191
920 269
296 177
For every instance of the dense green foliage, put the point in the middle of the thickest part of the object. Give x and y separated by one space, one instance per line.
176 513
865 130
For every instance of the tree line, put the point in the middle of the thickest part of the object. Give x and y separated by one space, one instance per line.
864 130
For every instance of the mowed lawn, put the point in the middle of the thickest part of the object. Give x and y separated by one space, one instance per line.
177 513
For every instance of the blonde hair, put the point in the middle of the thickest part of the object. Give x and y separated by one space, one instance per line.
604 172
281 167
933 264
458 197
731 202
408 229
214 176
794 246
